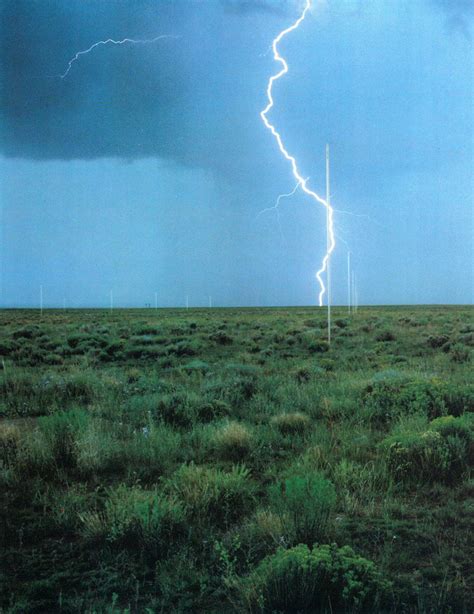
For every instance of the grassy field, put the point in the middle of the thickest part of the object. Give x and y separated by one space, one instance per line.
229 460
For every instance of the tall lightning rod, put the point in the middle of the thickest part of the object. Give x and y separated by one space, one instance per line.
328 243
349 282
354 307
290 158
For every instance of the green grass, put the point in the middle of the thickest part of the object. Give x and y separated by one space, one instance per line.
230 460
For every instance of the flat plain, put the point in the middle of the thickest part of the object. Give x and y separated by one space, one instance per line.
221 460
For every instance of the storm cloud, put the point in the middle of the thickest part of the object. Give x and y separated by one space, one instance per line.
130 101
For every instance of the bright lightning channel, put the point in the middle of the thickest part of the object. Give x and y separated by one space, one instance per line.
296 173
111 41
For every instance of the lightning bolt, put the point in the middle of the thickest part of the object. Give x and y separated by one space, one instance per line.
276 207
111 41
296 173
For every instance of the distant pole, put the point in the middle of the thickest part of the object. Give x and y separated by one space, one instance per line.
111 301
210 302
41 300
156 300
353 292
187 301
349 281
328 243
64 304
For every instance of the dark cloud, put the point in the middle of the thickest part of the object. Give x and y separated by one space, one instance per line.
157 100
278 7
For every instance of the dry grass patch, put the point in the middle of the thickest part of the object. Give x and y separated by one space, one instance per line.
291 423
233 441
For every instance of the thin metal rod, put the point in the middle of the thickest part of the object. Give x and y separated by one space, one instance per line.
328 243
111 301
353 292
349 281
41 300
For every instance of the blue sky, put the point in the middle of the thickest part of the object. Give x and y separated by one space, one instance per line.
145 169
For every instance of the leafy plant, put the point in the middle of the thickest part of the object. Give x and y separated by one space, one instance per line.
324 579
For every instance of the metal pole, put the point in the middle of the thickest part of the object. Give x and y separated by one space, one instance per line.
210 301
187 301
353 291
41 300
328 244
111 301
349 281
156 300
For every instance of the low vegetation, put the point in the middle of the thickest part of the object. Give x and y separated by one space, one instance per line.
230 460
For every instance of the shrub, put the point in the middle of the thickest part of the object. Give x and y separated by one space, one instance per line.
391 393
207 411
359 485
221 338
35 455
196 366
176 409
134 516
152 451
262 534
233 441
385 335
234 388
212 495
133 375
460 353
291 423
60 432
313 344
324 579
442 452
437 341
308 500
97 450
9 443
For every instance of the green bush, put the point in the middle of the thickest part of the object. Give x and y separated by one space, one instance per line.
442 452
308 501
233 441
391 393
151 452
9 444
385 335
313 344
324 579
135 517
291 423
235 387
176 408
97 449
212 495
60 432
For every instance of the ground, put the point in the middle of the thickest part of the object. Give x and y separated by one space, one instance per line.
222 460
